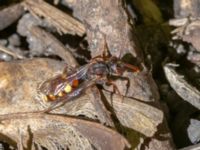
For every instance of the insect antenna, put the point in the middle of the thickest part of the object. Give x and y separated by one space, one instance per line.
131 67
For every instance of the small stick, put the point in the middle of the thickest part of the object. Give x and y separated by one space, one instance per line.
8 51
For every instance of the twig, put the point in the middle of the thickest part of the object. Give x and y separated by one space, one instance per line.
8 51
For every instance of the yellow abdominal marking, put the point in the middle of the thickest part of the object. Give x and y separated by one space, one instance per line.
45 98
52 97
68 88
60 94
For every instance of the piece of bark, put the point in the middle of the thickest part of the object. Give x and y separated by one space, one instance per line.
187 26
193 127
185 8
60 20
20 80
194 57
108 17
187 30
41 125
9 15
193 147
137 115
186 91
53 45
187 20
42 42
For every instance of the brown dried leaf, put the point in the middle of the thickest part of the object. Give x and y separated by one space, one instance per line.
19 81
61 21
187 30
193 37
137 115
70 132
108 17
185 8
9 15
192 147
57 48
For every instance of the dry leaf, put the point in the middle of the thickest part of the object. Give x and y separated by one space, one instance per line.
55 132
181 86
9 15
60 20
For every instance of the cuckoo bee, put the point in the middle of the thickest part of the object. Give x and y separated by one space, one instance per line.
70 84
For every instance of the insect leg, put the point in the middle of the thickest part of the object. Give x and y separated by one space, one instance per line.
115 88
131 67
